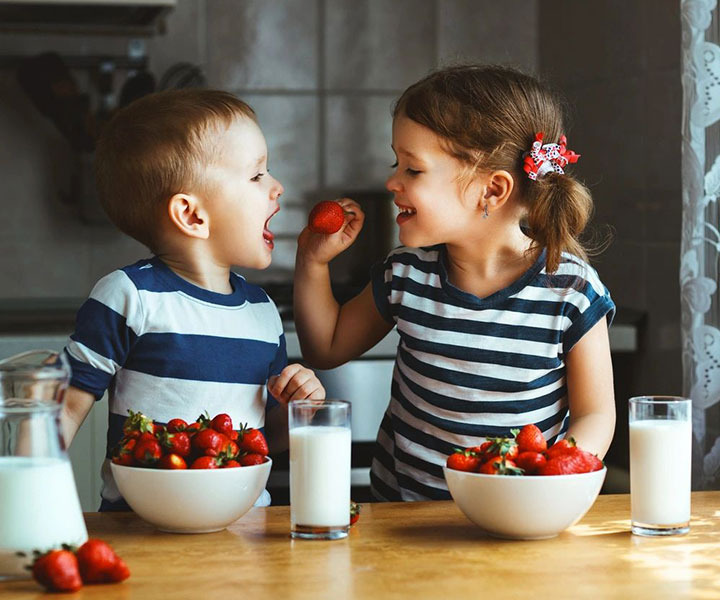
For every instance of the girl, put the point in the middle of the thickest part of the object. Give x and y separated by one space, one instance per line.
501 320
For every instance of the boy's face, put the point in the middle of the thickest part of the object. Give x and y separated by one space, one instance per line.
244 197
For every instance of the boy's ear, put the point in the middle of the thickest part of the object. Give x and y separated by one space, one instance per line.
497 190
187 214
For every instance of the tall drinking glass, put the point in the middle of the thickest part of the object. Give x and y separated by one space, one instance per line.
320 440
660 460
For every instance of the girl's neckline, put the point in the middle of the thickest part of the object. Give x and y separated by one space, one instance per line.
473 301
236 298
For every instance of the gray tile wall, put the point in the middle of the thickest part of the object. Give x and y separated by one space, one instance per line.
321 74
619 64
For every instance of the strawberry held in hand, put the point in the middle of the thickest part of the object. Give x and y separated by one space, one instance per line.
326 217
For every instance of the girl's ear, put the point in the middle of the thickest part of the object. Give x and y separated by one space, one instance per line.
187 215
498 188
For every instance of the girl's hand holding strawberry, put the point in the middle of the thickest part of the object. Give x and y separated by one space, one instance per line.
315 246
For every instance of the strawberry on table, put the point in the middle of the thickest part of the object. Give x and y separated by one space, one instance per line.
229 464
123 452
572 461
137 423
326 217
58 571
96 560
354 512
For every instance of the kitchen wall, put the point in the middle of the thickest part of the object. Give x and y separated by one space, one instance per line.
322 75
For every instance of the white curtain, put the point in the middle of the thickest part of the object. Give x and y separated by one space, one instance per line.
700 246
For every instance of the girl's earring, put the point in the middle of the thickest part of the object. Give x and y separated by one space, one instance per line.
485 214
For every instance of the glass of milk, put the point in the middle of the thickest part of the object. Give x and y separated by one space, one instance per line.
39 506
320 439
660 460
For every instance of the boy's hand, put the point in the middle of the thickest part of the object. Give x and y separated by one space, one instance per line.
322 248
296 382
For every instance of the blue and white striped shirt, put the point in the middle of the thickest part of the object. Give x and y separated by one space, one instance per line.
169 349
468 368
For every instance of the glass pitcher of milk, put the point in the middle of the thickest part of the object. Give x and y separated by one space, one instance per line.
39 505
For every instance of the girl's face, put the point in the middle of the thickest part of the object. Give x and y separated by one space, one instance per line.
434 207
245 197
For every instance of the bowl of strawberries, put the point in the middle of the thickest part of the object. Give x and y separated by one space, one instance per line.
519 488
193 477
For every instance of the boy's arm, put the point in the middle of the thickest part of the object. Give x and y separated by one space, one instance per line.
76 407
276 427
590 391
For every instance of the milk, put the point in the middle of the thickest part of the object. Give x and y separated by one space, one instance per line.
320 476
660 471
39 509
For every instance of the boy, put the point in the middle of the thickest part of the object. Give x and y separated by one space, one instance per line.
185 173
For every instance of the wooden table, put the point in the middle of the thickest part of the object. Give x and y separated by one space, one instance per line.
411 550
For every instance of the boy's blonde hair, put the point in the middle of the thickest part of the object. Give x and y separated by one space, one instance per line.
156 147
488 116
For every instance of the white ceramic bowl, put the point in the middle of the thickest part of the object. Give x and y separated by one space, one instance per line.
525 507
191 500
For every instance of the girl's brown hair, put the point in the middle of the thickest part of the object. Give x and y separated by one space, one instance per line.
487 117
156 147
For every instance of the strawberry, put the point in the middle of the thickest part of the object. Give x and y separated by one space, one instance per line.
58 571
326 217
123 453
500 466
95 557
530 462
561 447
118 572
172 461
176 425
208 442
229 464
147 451
502 446
463 460
354 512
568 463
137 423
531 439
247 460
176 443
205 462
222 423
252 440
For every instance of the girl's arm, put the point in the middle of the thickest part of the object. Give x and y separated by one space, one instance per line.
330 334
590 391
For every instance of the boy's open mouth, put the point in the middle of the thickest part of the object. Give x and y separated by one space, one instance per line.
268 235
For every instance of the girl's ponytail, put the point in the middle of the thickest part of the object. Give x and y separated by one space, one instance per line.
558 211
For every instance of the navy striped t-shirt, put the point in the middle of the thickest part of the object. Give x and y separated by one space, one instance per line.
468 368
169 349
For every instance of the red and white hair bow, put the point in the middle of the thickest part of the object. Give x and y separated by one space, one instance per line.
544 158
